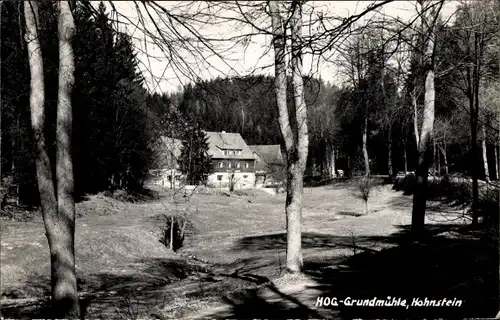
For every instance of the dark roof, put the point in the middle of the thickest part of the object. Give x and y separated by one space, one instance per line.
271 154
220 141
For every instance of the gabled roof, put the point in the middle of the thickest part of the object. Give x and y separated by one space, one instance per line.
220 141
167 152
171 146
271 154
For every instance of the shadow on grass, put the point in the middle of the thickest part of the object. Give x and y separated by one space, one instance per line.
450 261
252 304
105 293
310 240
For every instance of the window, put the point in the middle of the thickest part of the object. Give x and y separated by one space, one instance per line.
229 165
221 165
238 165
246 165
219 178
245 176
225 152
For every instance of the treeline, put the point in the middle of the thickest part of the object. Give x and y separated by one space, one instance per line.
371 124
111 124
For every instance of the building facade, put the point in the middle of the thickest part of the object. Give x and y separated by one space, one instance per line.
232 161
269 164
167 172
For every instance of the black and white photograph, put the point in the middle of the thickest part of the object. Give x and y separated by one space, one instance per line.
250 159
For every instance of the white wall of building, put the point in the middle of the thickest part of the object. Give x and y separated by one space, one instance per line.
243 180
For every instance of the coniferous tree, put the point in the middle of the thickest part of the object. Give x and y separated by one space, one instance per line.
195 162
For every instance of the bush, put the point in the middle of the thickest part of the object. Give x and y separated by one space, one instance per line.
179 231
364 188
488 206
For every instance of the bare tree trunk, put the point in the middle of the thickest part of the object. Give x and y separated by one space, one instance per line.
294 217
172 225
445 159
485 155
389 158
332 163
365 148
13 168
475 183
497 174
438 156
58 231
433 156
415 117
426 134
63 235
405 159
474 149
296 143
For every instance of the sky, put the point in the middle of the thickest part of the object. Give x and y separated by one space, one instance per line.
254 56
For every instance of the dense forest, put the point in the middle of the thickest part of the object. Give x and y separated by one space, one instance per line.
111 132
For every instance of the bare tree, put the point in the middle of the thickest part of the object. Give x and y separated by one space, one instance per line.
484 154
474 27
63 235
294 135
58 214
428 27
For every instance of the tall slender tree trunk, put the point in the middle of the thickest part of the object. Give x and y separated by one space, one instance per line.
485 155
445 159
405 159
497 174
294 255
63 235
59 230
474 149
296 140
389 158
438 158
434 154
415 117
474 75
365 147
426 133
13 168
474 171
332 163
